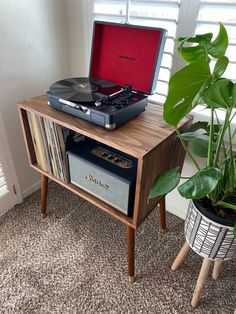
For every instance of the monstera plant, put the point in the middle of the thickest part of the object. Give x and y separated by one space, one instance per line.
201 82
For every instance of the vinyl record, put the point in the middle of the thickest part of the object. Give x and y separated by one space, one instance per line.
83 89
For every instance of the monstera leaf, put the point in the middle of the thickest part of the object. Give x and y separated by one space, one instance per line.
200 125
220 44
200 146
220 66
204 46
189 136
233 99
201 184
165 183
184 87
219 94
198 52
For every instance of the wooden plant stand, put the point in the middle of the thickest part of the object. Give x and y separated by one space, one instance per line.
146 138
203 274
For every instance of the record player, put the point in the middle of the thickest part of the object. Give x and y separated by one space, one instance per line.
124 67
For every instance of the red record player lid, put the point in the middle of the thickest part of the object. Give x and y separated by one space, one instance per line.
127 54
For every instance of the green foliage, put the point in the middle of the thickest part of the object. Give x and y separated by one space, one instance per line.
200 144
185 89
200 184
189 136
165 183
218 47
220 66
219 94
197 84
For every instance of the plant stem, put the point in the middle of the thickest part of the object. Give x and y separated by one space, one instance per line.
187 150
234 114
222 133
232 156
210 155
231 139
226 205
234 132
218 122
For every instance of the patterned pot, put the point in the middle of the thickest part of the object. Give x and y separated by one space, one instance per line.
208 237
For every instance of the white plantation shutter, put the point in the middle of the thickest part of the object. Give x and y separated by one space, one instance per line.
8 181
110 10
3 184
163 14
209 16
8 198
179 18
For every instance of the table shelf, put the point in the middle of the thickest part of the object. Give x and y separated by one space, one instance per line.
147 138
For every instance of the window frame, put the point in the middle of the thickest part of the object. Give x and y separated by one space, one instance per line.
188 15
187 8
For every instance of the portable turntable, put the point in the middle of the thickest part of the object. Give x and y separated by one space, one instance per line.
125 63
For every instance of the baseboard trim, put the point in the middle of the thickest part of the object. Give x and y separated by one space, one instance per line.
33 188
173 210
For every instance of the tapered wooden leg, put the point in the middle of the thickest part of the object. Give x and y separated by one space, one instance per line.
44 193
201 281
163 215
130 246
216 269
180 257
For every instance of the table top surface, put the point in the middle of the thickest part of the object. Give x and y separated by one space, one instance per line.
136 137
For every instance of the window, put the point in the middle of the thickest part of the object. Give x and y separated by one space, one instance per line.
162 14
3 183
179 18
225 12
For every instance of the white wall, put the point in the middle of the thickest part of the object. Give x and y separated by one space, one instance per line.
79 18
43 41
33 54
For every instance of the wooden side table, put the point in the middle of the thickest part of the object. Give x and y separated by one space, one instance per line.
146 138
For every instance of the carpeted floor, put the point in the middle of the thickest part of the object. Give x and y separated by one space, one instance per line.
74 261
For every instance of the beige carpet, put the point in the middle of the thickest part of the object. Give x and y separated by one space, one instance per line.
74 261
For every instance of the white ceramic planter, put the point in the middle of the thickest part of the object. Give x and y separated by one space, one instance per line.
209 238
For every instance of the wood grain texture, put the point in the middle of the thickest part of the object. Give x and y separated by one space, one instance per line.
44 195
162 210
216 269
146 137
201 282
168 154
89 197
136 137
27 136
181 256
130 232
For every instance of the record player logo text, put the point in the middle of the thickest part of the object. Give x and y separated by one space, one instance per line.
128 58
97 182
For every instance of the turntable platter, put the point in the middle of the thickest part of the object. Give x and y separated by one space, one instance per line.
83 89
